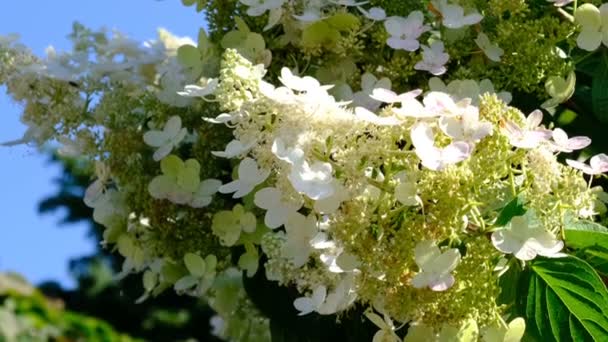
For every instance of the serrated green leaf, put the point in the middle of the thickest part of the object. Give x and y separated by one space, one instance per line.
584 234
512 209
566 301
599 90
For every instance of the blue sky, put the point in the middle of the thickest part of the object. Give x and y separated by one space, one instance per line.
29 243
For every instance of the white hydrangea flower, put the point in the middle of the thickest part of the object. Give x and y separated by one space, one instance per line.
560 3
204 195
374 13
531 135
434 59
597 165
234 148
562 143
228 225
406 191
387 328
461 89
525 240
594 26
249 176
167 139
201 277
492 51
94 192
300 231
259 7
453 15
307 305
194 90
314 180
432 157
404 32
369 83
277 209
466 127
330 205
435 267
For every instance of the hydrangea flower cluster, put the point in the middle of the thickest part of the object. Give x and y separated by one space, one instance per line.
368 155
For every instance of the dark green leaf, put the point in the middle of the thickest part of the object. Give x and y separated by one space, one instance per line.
512 209
566 301
599 90
597 257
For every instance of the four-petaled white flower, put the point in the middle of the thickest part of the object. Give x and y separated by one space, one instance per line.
525 240
259 7
466 127
406 191
453 15
307 305
493 51
171 135
531 135
594 26
432 157
314 180
597 165
249 176
369 83
374 13
194 90
297 83
386 325
561 142
233 149
435 267
277 209
404 32
300 231
434 59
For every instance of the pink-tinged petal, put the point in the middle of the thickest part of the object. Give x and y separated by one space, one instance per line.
456 152
578 143
582 167
443 283
599 163
421 280
560 137
534 119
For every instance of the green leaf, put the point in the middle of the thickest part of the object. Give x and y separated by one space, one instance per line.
597 257
599 90
512 209
566 301
584 234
